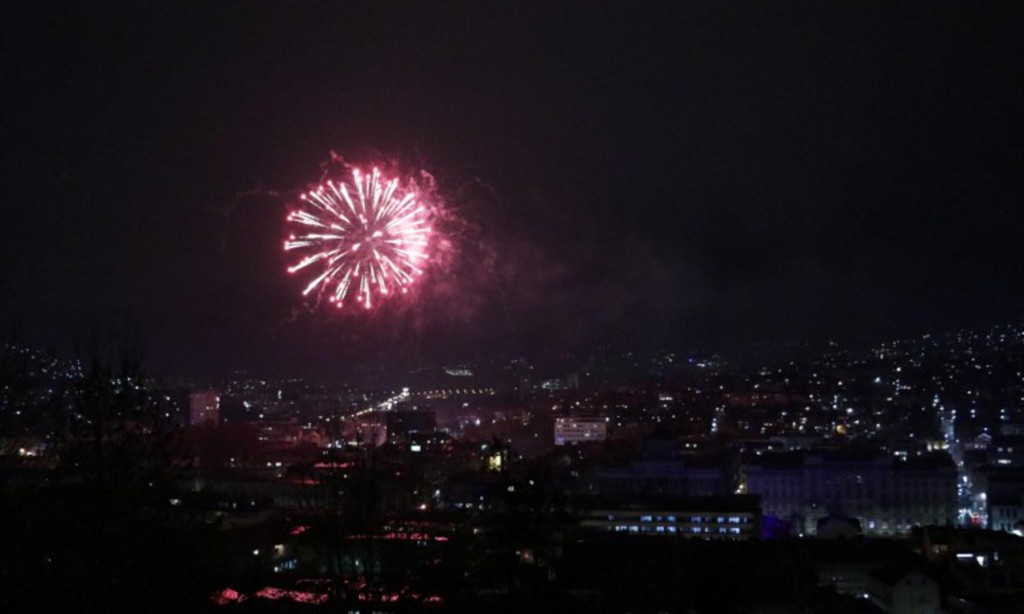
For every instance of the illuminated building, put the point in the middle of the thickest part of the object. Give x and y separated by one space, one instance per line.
204 407
366 430
1001 491
735 517
496 457
579 430
427 442
889 495
1006 451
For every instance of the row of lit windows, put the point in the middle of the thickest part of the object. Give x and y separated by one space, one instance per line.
670 530
693 519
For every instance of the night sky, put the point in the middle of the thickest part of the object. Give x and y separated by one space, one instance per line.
706 175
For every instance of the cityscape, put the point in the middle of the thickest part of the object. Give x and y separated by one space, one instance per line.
493 483
659 307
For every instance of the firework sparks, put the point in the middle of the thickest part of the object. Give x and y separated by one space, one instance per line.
366 238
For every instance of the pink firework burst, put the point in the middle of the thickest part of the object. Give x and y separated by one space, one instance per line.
367 238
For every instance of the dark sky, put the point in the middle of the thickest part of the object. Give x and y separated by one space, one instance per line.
649 174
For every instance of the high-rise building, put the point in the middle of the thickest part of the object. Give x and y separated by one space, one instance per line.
204 407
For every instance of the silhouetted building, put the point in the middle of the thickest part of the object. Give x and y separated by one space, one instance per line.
401 425
838 527
662 469
897 590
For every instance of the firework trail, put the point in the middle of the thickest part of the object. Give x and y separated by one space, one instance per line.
367 238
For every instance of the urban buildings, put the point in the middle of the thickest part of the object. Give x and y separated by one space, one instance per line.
897 590
580 430
887 494
735 517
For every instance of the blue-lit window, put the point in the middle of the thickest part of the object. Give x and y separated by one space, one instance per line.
671 518
671 529
734 530
735 519
695 519
645 518
695 530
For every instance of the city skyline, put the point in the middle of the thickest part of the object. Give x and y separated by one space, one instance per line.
603 306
